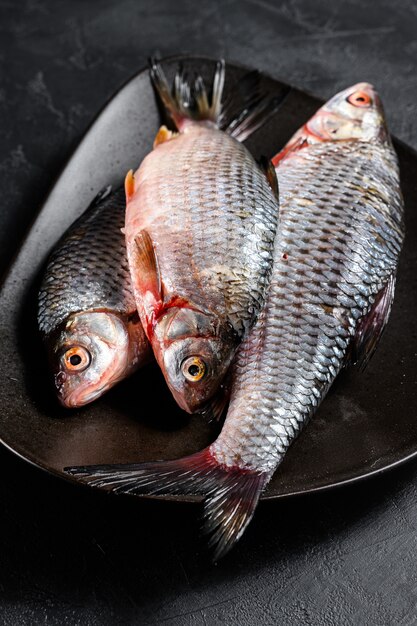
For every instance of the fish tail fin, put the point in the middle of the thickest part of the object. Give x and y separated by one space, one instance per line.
189 100
231 494
230 507
247 107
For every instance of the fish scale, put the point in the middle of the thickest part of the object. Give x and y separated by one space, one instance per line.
201 219
297 348
87 312
207 206
340 232
88 268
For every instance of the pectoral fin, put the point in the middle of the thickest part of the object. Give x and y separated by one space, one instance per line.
147 262
214 410
129 185
371 327
163 135
147 276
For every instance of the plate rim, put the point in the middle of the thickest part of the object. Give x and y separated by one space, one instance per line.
28 458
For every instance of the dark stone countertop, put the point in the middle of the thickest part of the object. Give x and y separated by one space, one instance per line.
70 556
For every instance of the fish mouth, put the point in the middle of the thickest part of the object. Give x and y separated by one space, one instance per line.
78 399
96 393
74 400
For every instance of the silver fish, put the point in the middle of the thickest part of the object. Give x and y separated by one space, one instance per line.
200 225
335 260
87 313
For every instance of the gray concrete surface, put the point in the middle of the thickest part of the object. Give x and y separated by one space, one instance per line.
70 557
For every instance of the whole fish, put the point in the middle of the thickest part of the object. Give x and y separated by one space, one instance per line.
335 261
87 312
200 225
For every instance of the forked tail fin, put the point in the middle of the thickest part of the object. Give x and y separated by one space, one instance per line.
188 100
246 109
249 106
231 494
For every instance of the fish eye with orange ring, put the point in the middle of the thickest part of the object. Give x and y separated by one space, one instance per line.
360 99
76 359
193 368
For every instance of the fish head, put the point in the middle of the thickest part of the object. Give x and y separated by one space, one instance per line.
354 114
90 353
194 352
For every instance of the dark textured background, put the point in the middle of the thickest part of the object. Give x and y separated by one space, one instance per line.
69 556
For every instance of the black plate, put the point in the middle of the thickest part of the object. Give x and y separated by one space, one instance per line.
366 424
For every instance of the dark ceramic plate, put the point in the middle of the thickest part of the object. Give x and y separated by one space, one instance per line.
366 424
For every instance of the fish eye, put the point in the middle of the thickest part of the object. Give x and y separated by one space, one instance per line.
193 368
359 99
76 359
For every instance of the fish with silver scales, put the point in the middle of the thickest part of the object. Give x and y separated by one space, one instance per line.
201 220
86 310
336 253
